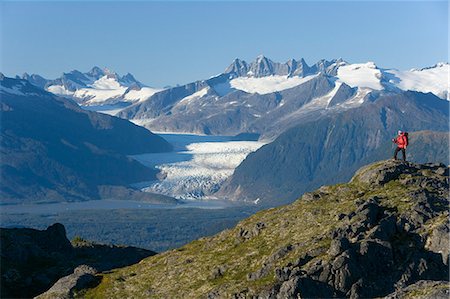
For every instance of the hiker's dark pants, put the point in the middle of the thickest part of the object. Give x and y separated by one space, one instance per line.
403 153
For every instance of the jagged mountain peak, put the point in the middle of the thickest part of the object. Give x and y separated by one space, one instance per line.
96 71
263 66
261 58
436 66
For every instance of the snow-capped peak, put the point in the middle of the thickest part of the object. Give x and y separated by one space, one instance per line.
260 57
96 72
433 79
365 75
98 86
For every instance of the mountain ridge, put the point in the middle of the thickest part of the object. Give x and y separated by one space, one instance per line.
384 230
262 79
327 150
54 150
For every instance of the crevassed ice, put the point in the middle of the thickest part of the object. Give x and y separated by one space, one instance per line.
211 164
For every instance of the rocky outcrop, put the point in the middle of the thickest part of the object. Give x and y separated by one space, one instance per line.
82 277
383 234
375 249
423 289
33 260
386 171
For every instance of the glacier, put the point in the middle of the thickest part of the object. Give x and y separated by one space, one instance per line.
198 166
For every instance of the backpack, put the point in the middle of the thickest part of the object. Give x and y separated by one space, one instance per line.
406 138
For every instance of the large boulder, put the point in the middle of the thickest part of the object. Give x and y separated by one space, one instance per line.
438 241
82 277
423 289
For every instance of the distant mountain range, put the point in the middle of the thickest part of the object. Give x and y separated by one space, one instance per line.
262 96
96 87
52 150
357 108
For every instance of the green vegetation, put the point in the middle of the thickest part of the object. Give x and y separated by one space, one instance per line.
229 262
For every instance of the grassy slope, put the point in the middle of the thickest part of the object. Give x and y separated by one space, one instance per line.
306 224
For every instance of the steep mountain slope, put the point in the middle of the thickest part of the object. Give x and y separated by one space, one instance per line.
267 97
387 229
330 149
53 150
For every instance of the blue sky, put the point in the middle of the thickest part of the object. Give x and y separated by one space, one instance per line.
165 43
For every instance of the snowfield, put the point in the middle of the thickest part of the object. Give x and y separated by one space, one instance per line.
103 90
268 84
199 170
140 95
360 75
434 79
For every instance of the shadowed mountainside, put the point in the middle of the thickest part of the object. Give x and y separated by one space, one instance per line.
33 260
331 149
51 149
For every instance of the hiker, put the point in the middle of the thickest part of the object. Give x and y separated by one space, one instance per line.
402 142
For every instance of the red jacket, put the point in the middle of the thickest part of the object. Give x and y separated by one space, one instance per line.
401 141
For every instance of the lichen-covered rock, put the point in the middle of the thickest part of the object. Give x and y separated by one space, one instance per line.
423 290
438 241
82 277
381 173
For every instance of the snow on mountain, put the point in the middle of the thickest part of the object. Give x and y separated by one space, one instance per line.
195 96
96 87
433 79
106 82
361 75
269 84
59 90
93 96
136 95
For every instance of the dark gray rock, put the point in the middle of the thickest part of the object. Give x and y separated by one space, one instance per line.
338 245
385 230
33 260
82 277
368 213
283 274
388 171
376 255
289 289
246 234
438 241
423 289
218 272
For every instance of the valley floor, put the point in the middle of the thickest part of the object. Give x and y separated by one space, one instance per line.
154 229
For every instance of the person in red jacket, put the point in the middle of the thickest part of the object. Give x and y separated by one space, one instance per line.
402 143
